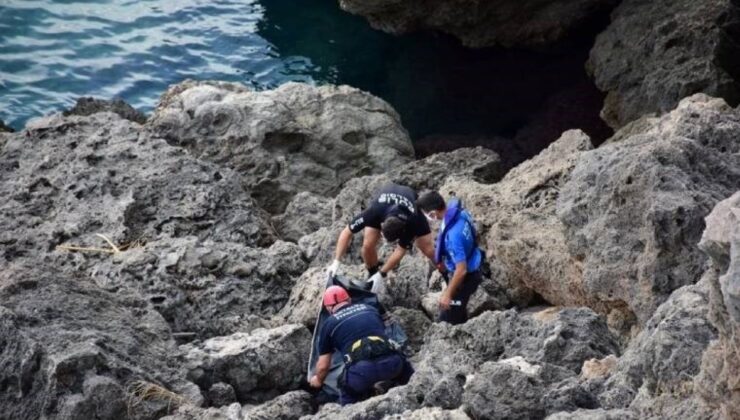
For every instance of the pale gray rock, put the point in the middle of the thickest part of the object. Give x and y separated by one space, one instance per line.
192 240
500 391
71 351
655 53
290 406
598 414
415 324
294 138
721 241
430 413
305 298
718 382
258 365
221 394
190 412
562 337
532 23
633 209
305 214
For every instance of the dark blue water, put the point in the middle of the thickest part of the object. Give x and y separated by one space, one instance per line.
54 51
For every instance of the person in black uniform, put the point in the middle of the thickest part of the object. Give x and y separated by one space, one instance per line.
357 330
394 214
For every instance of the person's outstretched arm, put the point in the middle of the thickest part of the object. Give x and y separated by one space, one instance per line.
322 370
426 246
394 259
345 237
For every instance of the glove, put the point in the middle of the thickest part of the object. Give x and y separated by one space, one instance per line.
377 282
333 268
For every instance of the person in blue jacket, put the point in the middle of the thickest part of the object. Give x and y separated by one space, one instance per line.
456 252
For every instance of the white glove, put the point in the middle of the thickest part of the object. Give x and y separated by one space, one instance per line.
333 268
378 283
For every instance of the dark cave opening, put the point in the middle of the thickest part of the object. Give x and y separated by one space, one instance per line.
513 101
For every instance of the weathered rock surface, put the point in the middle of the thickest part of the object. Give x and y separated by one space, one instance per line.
633 209
455 367
656 53
718 383
194 241
305 214
655 374
290 406
614 228
69 350
430 413
533 23
89 106
599 414
259 365
284 141
190 412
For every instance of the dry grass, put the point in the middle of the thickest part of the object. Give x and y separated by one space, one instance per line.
114 249
140 392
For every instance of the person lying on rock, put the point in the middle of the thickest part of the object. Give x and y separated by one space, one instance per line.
456 251
357 330
392 213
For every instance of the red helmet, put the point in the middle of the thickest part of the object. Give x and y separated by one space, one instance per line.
334 295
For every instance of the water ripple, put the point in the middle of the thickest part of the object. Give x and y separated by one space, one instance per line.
54 51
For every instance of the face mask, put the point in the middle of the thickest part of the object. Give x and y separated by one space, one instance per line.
432 221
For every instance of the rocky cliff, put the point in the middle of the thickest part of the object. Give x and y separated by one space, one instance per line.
170 266
143 277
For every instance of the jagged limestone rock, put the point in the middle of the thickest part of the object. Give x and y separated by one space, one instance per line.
294 138
718 382
633 210
655 53
89 106
258 365
70 350
517 225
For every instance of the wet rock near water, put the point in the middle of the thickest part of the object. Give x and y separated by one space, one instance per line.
5 129
90 106
655 53
505 23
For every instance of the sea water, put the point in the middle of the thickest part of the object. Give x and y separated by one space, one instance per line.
55 51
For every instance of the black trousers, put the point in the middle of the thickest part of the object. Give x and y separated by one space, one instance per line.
459 314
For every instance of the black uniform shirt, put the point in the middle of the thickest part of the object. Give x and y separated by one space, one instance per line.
393 200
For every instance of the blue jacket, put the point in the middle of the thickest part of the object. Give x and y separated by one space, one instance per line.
456 240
